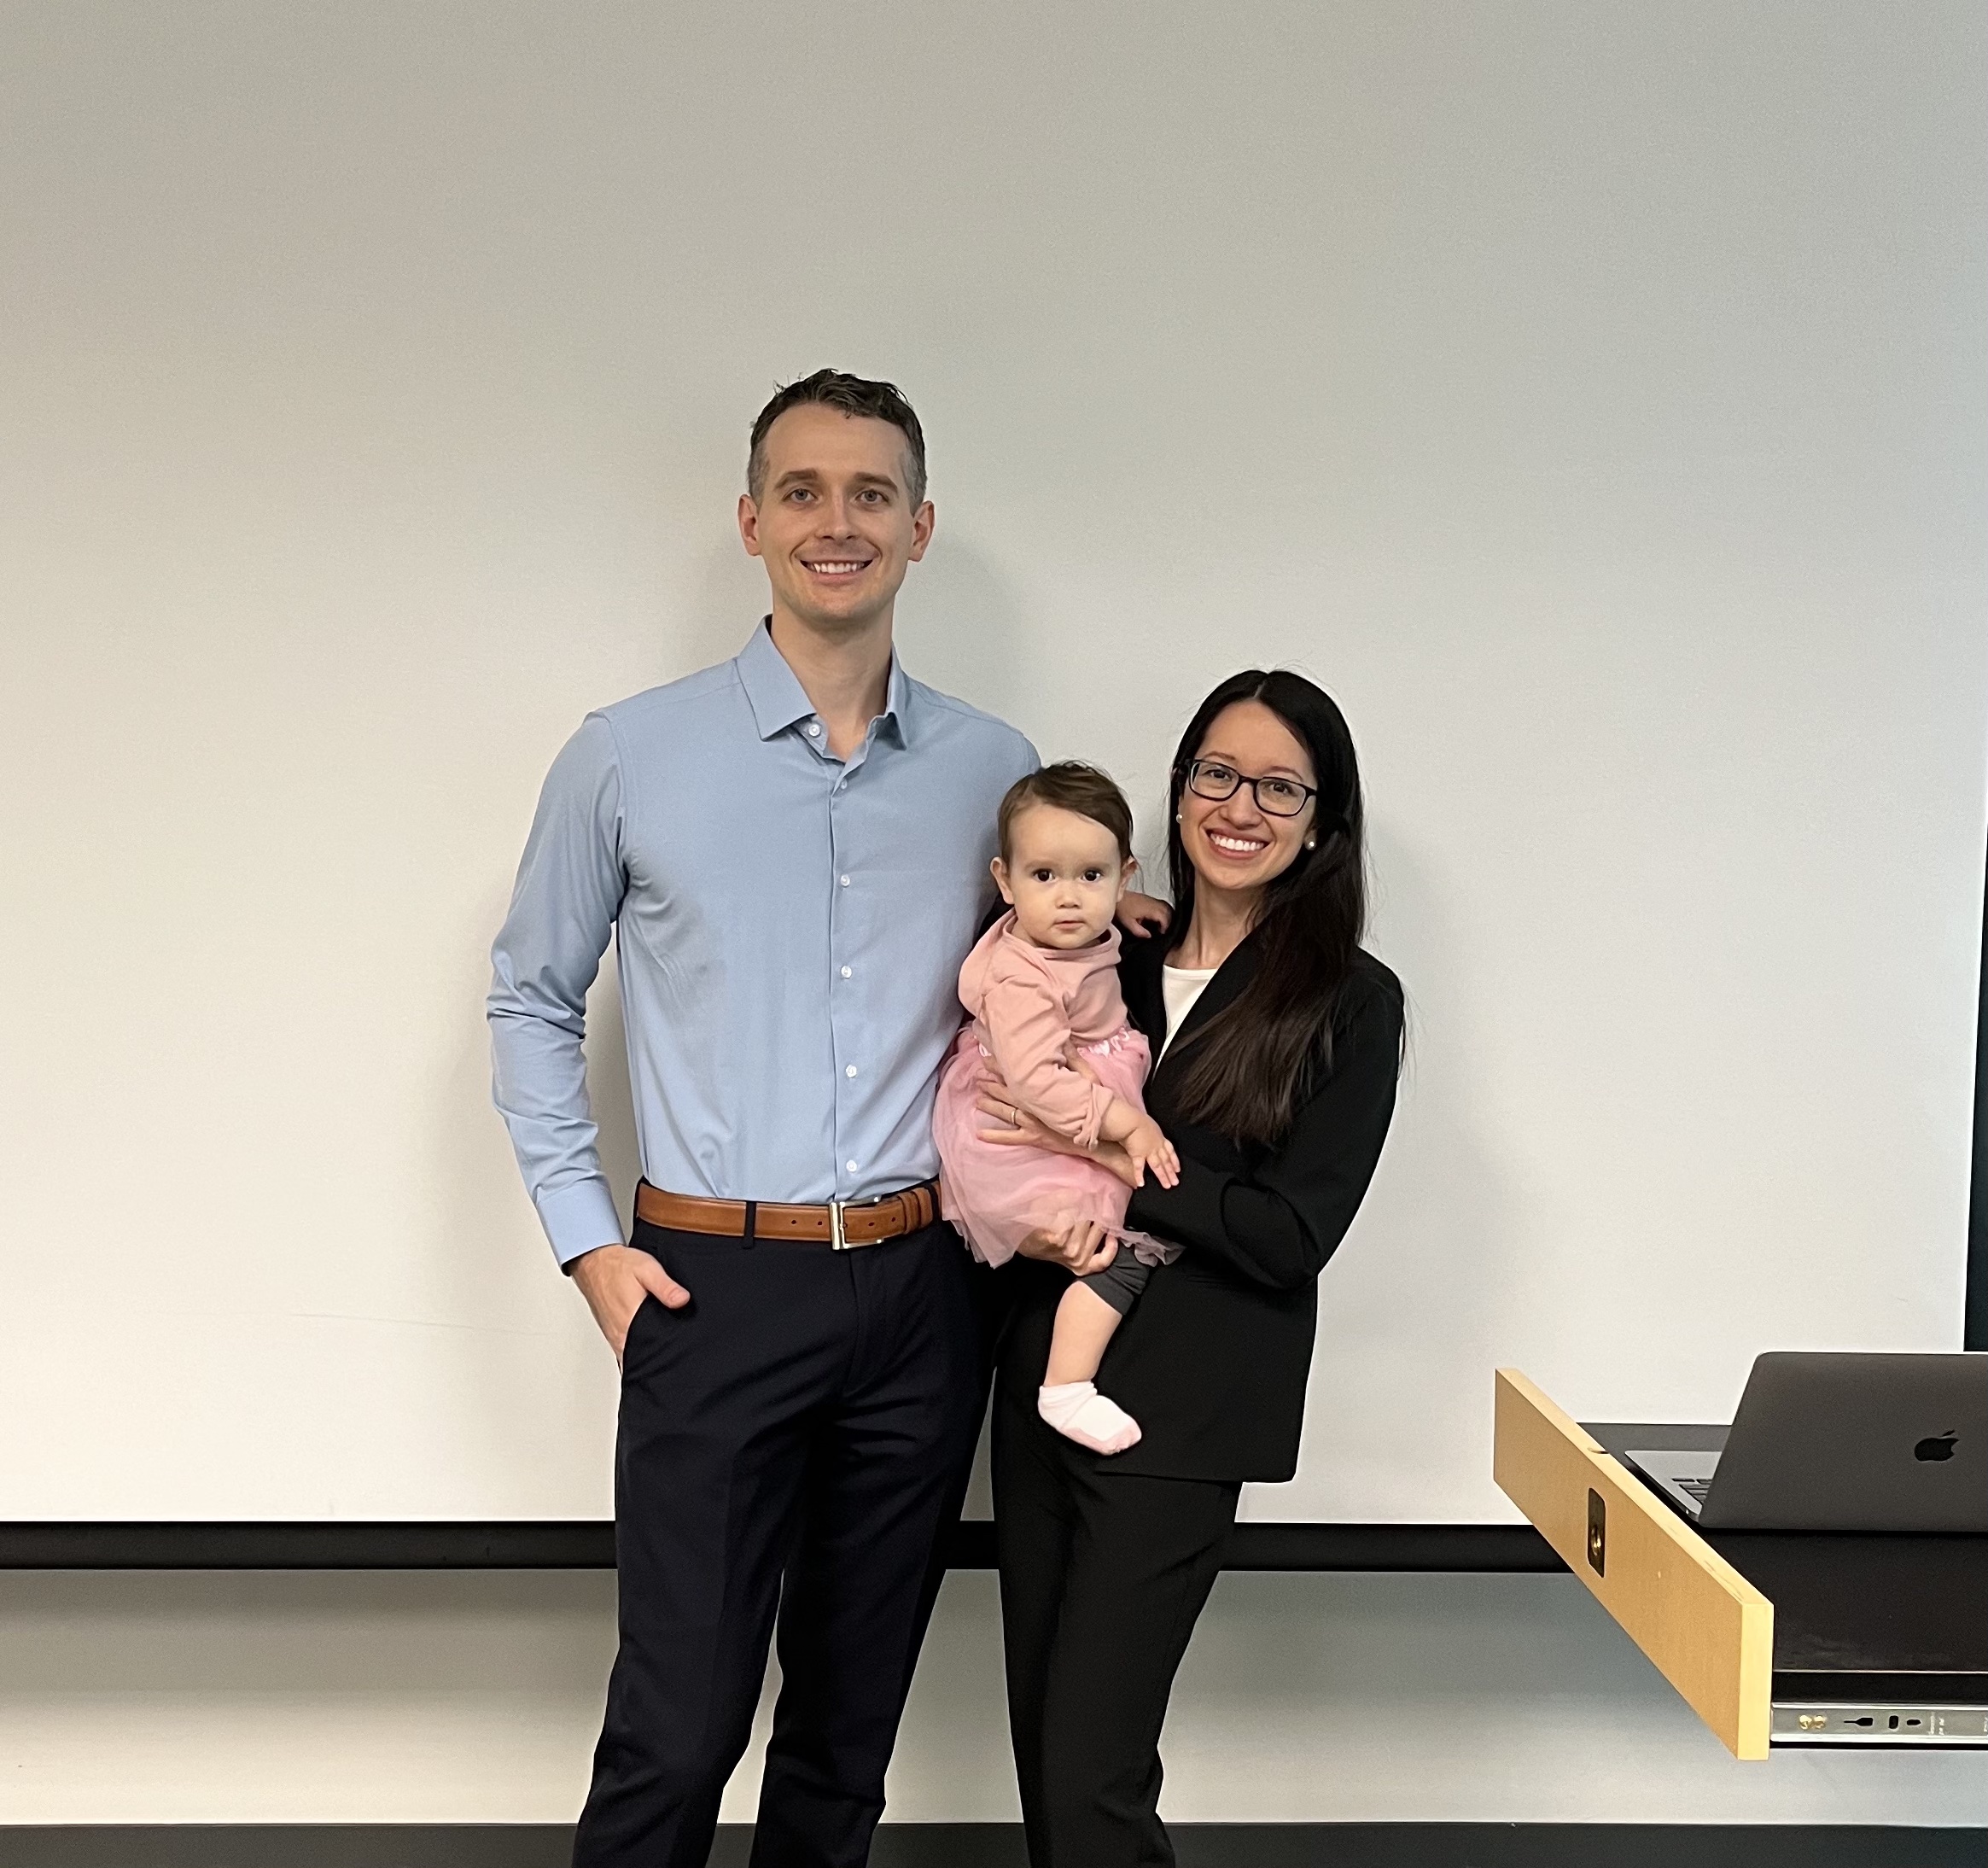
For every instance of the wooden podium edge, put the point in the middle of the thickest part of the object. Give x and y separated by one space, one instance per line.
1702 1625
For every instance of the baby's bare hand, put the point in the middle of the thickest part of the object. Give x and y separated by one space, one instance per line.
1147 1147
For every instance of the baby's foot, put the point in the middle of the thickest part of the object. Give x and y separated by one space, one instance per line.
1077 1411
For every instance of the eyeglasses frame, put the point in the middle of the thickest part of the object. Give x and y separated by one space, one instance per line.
1311 792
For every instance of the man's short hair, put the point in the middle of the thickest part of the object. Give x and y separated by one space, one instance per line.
853 396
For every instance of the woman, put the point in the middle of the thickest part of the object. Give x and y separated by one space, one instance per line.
1277 1043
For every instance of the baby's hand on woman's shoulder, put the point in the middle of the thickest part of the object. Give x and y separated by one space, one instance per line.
1148 1147
1144 916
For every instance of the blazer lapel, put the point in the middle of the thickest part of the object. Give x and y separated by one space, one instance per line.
1139 980
1224 990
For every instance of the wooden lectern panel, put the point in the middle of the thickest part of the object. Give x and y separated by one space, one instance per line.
1708 1630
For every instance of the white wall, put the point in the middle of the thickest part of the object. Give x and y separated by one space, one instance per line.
425 1698
1593 394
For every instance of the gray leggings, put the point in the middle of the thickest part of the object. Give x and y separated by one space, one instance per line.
1121 1281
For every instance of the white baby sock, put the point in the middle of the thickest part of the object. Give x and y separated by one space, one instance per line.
1077 1411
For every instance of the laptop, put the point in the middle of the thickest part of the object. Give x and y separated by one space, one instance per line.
1831 1442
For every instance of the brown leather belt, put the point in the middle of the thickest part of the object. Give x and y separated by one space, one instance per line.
838 1225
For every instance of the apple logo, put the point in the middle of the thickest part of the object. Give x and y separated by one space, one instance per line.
1936 1446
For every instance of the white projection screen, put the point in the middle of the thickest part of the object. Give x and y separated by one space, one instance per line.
1594 397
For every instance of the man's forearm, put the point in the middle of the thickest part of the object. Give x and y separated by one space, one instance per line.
540 1091
544 963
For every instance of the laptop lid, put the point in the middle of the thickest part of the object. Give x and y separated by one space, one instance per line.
1870 1441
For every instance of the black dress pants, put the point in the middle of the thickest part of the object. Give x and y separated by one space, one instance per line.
1103 1577
794 1442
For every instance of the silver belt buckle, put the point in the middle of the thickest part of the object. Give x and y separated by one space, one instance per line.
838 1240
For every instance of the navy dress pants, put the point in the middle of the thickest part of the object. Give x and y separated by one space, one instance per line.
1104 1574
793 1444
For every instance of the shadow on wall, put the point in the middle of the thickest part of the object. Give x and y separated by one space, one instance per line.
1413 1310
962 628
490 1244
726 599
1378 1641
559 1392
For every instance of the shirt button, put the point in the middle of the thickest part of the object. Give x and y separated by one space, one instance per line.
849 1070
845 972
844 880
851 1166
814 729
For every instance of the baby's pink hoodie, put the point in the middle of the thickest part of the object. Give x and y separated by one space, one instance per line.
1034 1004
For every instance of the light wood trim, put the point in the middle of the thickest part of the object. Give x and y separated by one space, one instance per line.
1708 1629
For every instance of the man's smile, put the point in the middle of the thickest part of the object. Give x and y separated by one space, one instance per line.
844 565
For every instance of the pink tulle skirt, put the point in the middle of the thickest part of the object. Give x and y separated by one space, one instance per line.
995 1192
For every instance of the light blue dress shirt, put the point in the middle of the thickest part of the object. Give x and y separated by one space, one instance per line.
790 930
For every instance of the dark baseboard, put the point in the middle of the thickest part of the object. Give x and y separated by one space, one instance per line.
996 1845
587 1544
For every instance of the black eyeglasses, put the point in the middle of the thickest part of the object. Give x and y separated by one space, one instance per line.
1275 797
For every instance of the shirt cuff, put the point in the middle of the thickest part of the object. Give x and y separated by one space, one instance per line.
580 1219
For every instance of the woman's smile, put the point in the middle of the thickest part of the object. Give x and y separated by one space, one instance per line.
1245 847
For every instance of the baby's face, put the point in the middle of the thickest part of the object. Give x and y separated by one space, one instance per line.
1063 877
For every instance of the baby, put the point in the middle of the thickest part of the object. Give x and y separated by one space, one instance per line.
1042 988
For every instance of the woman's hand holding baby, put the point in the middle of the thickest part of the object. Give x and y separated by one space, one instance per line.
1082 1248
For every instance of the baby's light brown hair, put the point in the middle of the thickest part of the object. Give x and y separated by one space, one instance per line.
1070 785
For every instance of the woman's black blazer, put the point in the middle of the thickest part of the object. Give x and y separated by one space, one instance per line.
1213 1360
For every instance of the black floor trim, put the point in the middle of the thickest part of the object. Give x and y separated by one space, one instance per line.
585 1544
993 1845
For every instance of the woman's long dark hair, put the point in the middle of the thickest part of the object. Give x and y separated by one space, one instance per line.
1250 1065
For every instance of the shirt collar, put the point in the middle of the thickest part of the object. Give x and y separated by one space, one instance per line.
779 701
897 710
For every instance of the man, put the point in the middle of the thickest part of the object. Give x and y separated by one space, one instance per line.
795 848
